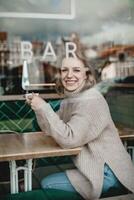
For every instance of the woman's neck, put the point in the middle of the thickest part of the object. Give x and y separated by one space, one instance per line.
74 92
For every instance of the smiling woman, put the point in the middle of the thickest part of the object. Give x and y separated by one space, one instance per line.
103 167
84 120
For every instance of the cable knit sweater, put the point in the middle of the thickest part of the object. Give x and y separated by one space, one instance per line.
84 120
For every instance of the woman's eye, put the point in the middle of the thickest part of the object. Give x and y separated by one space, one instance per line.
76 70
64 70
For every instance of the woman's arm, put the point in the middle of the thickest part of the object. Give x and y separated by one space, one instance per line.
87 122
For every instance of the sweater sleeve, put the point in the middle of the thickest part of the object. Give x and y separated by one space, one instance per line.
41 118
87 122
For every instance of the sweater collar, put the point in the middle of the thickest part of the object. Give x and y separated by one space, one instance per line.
76 92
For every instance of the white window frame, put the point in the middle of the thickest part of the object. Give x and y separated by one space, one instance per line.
61 16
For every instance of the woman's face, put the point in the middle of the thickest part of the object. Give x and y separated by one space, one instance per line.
73 73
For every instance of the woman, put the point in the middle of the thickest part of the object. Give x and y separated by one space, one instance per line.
103 167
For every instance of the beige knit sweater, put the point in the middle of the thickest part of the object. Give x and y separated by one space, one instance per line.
84 120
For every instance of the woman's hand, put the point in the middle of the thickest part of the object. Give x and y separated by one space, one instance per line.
34 101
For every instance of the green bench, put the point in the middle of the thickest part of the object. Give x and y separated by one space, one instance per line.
52 194
48 194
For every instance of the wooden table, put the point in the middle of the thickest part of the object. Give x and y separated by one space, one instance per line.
28 146
127 134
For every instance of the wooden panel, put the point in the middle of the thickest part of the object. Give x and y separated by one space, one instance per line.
22 97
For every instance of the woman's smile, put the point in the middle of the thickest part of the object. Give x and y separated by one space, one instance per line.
70 81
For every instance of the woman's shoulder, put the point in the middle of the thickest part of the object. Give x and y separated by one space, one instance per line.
90 99
94 98
92 93
89 95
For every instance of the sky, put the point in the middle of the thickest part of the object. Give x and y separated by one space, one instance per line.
96 21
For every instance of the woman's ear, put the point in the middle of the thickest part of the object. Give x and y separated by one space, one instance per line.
86 74
87 71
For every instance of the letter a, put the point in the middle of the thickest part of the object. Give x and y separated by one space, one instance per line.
49 52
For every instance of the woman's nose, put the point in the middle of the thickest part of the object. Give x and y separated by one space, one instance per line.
70 73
